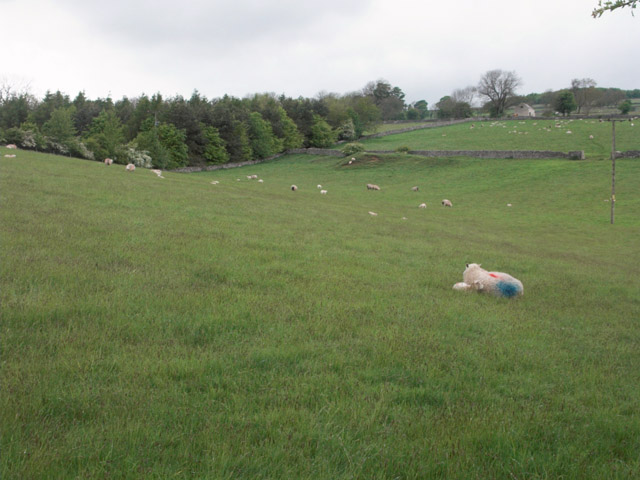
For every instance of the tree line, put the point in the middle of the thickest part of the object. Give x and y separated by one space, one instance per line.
175 132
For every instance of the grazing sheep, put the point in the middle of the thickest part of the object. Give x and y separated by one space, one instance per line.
414 189
215 182
371 186
12 146
447 203
130 167
108 161
293 188
373 214
319 186
323 192
591 137
422 205
498 284
10 156
261 181
157 172
509 205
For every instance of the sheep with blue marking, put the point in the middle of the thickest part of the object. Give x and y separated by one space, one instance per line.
498 284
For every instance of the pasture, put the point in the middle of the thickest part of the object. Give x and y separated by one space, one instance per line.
172 328
519 135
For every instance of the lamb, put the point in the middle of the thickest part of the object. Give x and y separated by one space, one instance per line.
447 203
293 188
108 161
130 167
498 284
371 186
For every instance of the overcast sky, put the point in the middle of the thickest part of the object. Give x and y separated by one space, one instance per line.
300 48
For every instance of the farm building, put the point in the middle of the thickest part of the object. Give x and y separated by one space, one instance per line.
524 110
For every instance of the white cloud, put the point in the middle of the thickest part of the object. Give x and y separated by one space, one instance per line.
301 48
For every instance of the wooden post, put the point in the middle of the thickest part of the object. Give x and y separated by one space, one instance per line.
613 169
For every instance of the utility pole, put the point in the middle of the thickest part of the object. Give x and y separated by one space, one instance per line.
613 169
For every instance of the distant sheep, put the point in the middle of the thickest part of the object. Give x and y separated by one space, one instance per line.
447 203
261 181
422 205
373 214
371 186
293 188
498 284
10 156
323 192
12 146
215 182
414 189
130 167
158 173
319 186
108 161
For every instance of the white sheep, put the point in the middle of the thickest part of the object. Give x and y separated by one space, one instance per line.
108 161
157 172
215 182
371 186
12 146
414 189
498 284
447 203
130 167
10 156
261 181
422 205
293 188
373 214
319 186
323 192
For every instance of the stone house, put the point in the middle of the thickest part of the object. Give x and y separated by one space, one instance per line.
524 110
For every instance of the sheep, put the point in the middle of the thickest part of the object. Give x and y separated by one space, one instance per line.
108 161
130 167
293 188
414 189
319 186
498 284
10 156
261 181
12 146
323 192
157 172
591 137
373 214
371 186
215 182
447 203
422 205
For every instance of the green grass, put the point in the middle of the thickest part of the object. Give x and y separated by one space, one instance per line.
171 328
519 135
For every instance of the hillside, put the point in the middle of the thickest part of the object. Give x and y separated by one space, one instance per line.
170 327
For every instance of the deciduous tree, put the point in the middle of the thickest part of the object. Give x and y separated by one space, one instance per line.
498 86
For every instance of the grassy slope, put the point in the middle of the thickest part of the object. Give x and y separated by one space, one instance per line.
519 135
170 327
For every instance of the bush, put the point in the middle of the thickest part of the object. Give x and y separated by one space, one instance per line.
402 149
131 154
352 148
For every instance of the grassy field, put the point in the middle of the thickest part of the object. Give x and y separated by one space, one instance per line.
519 135
172 328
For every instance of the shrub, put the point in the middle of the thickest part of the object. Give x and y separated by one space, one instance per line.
402 149
352 148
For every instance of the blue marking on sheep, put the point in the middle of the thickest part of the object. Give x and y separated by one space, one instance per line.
508 289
